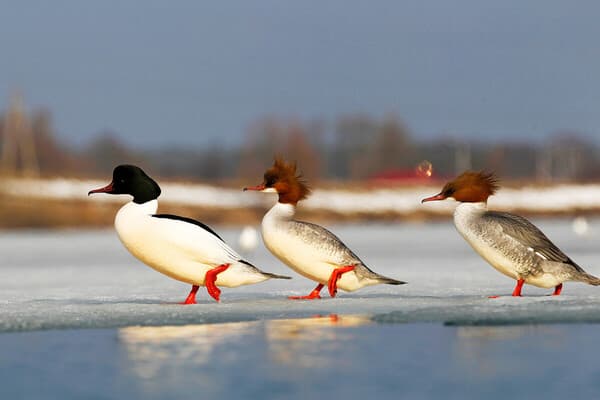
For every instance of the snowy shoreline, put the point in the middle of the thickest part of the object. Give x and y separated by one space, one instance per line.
558 198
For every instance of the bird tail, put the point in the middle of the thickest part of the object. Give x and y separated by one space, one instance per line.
591 279
269 275
275 276
389 281
364 272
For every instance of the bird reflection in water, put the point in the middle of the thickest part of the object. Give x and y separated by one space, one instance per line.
309 342
152 352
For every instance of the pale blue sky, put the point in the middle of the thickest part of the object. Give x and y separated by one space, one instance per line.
196 72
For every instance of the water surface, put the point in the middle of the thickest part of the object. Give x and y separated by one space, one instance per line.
81 318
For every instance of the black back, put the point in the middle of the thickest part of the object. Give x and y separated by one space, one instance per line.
189 221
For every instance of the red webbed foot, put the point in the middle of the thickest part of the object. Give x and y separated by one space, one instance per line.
314 295
516 292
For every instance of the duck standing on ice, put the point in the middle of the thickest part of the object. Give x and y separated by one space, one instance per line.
179 247
510 243
309 249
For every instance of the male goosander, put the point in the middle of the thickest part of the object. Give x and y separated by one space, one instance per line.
179 247
510 243
309 249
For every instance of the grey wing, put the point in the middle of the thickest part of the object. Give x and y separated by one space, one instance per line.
523 231
327 242
339 253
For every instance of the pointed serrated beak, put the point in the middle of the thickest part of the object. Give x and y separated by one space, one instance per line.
261 188
258 188
106 189
437 197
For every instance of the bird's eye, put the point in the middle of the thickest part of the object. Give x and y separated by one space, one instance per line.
449 192
269 181
122 180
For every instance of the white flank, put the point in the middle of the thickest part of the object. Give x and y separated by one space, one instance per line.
465 217
179 249
306 258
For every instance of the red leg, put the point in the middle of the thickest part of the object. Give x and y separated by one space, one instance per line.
335 275
557 290
315 294
517 291
210 278
191 299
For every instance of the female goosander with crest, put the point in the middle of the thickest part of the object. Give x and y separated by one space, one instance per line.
510 243
309 249
179 247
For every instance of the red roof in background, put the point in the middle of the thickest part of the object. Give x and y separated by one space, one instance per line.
402 176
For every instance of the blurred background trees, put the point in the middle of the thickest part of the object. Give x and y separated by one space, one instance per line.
354 147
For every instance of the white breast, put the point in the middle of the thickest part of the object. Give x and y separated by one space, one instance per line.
178 249
296 252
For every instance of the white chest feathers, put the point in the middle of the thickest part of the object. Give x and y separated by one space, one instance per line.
278 238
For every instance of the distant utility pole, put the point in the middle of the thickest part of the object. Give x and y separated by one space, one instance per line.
18 148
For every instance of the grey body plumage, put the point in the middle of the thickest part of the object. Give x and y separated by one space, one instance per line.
309 249
529 248
510 243
516 247
330 244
